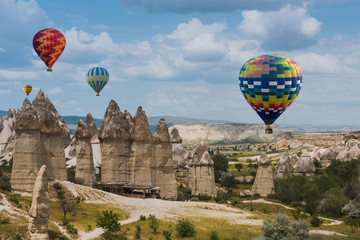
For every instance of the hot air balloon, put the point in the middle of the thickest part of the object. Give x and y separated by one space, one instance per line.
49 44
270 84
27 89
97 78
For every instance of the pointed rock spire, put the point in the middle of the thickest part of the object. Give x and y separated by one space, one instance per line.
28 117
141 130
175 136
91 124
83 130
114 124
162 132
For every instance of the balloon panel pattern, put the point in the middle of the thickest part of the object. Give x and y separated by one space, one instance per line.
270 83
97 78
27 89
49 44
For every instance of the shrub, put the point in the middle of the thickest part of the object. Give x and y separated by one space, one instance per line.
138 232
14 198
333 201
142 218
154 223
57 186
204 197
185 228
109 221
214 235
5 183
315 221
167 234
71 228
4 220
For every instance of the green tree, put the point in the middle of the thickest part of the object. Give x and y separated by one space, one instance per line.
352 212
333 201
154 223
281 228
108 221
185 228
67 202
229 182
221 163
238 166
290 189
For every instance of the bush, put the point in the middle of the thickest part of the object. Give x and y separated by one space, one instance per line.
154 223
221 163
185 228
167 234
14 198
71 228
204 197
5 183
238 166
57 186
4 220
315 221
138 232
228 182
71 173
214 235
333 201
290 189
109 221
283 228
142 218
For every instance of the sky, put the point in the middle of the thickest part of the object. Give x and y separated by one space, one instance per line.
182 58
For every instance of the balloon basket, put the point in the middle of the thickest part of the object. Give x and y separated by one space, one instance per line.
97 94
268 130
49 70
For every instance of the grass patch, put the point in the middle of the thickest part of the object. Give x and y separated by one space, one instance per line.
203 228
84 215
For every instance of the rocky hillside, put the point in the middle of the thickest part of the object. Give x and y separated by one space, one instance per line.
225 133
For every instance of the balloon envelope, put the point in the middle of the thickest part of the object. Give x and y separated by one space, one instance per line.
270 84
97 78
27 89
49 44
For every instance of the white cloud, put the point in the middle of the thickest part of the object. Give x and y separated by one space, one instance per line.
2 50
5 91
54 91
17 75
286 29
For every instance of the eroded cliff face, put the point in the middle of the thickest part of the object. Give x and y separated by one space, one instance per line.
164 164
115 143
85 170
27 149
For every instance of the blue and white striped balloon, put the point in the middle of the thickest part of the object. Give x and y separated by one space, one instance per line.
97 78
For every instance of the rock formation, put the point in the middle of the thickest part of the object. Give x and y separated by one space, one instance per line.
305 165
7 135
40 207
201 172
164 164
142 159
27 149
52 138
283 168
115 143
41 102
85 171
264 181
180 158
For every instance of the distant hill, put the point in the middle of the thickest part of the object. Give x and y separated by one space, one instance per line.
72 121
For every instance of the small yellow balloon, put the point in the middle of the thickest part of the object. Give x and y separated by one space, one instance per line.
27 89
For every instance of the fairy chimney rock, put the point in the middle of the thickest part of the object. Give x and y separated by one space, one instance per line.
92 126
201 172
85 171
40 207
27 149
283 167
305 165
264 180
164 164
175 136
115 144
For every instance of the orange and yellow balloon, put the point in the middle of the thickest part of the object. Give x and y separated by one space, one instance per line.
49 44
27 89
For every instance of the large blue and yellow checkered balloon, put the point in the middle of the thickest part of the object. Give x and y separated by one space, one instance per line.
270 84
97 78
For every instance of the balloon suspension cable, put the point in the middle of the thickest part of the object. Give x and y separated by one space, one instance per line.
49 70
268 130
